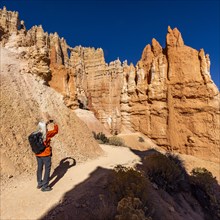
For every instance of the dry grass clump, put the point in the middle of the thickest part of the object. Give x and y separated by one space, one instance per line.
129 188
128 182
114 140
131 208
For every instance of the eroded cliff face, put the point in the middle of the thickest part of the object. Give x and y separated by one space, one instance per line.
168 95
193 100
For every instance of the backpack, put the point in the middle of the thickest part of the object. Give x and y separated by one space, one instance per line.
36 142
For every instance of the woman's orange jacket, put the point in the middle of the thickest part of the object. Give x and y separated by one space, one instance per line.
48 149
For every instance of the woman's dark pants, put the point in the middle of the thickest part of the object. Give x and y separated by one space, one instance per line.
46 163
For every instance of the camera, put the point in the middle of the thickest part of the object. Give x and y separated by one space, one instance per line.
50 121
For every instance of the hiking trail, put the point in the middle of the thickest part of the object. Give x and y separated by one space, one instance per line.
22 200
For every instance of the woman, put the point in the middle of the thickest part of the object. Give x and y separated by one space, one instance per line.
44 158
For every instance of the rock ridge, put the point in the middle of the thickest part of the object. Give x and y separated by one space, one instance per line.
168 95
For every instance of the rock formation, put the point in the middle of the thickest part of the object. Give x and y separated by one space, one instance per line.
24 101
168 95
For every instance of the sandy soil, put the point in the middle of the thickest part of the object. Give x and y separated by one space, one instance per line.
22 200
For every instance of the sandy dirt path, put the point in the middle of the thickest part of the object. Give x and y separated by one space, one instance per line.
22 200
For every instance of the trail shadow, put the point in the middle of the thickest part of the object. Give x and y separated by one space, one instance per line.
61 169
143 154
87 200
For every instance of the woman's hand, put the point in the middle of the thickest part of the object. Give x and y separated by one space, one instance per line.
50 121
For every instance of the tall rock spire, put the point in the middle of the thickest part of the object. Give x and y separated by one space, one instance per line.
174 38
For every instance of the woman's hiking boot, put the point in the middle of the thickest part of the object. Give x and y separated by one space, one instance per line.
45 189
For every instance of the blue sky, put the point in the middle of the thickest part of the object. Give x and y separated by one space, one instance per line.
123 28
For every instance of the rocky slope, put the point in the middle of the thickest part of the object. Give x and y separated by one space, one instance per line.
25 100
168 95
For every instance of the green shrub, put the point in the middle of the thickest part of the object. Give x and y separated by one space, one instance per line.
116 141
140 139
204 174
206 190
163 171
127 182
100 137
176 159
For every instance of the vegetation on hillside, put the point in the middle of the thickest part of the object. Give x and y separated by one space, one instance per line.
206 190
131 187
114 140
